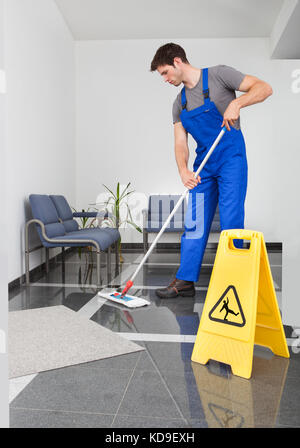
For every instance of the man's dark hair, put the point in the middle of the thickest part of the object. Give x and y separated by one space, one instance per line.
165 56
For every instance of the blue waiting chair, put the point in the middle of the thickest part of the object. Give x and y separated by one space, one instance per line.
57 227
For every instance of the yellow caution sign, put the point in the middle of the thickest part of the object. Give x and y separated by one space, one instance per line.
241 308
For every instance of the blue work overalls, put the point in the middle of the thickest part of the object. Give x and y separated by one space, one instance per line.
223 180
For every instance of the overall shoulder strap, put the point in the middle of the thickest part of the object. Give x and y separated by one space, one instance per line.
183 98
205 88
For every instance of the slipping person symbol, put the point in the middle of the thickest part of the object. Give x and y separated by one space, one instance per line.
225 307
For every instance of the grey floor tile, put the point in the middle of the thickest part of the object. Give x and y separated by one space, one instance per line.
122 362
28 418
130 361
147 422
197 424
278 425
78 389
293 364
171 357
289 409
147 395
184 390
145 362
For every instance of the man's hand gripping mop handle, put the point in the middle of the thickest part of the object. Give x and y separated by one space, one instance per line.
129 284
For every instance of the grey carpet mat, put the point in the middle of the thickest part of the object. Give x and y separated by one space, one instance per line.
49 338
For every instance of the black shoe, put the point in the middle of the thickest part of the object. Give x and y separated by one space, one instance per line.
177 288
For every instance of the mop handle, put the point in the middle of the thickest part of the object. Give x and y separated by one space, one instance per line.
178 204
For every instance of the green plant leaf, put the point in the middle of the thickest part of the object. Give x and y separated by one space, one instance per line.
127 194
126 188
129 212
135 226
110 191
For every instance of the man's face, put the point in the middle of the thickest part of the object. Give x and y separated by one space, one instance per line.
172 75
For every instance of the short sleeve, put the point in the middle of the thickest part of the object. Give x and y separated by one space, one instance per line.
229 77
176 111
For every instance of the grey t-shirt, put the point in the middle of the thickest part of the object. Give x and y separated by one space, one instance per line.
223 81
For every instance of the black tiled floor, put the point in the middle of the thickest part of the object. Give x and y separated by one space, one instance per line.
43 296
159 387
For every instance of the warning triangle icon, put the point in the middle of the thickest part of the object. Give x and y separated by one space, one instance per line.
228 309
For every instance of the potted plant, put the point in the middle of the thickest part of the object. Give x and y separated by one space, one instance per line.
112 208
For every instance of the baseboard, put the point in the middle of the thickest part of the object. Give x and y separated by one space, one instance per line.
271 246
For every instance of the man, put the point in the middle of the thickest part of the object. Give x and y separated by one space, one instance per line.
206 103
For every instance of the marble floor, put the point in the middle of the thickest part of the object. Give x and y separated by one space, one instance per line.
160 386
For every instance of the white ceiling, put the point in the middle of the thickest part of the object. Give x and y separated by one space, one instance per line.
159 19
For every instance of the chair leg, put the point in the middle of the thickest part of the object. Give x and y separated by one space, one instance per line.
63 271
47 260
98 268
27 266
117 253
108 265
27 256
145 241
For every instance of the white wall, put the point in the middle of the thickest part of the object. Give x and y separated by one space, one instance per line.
124 132
40 114
124 121
3 247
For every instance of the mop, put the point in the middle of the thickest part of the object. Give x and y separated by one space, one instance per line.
136 302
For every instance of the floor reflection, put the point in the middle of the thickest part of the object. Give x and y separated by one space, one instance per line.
235 402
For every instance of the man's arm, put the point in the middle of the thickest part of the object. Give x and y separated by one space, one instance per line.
256 92
182 156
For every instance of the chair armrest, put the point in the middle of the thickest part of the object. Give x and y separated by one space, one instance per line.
56 239
86 214
100 214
